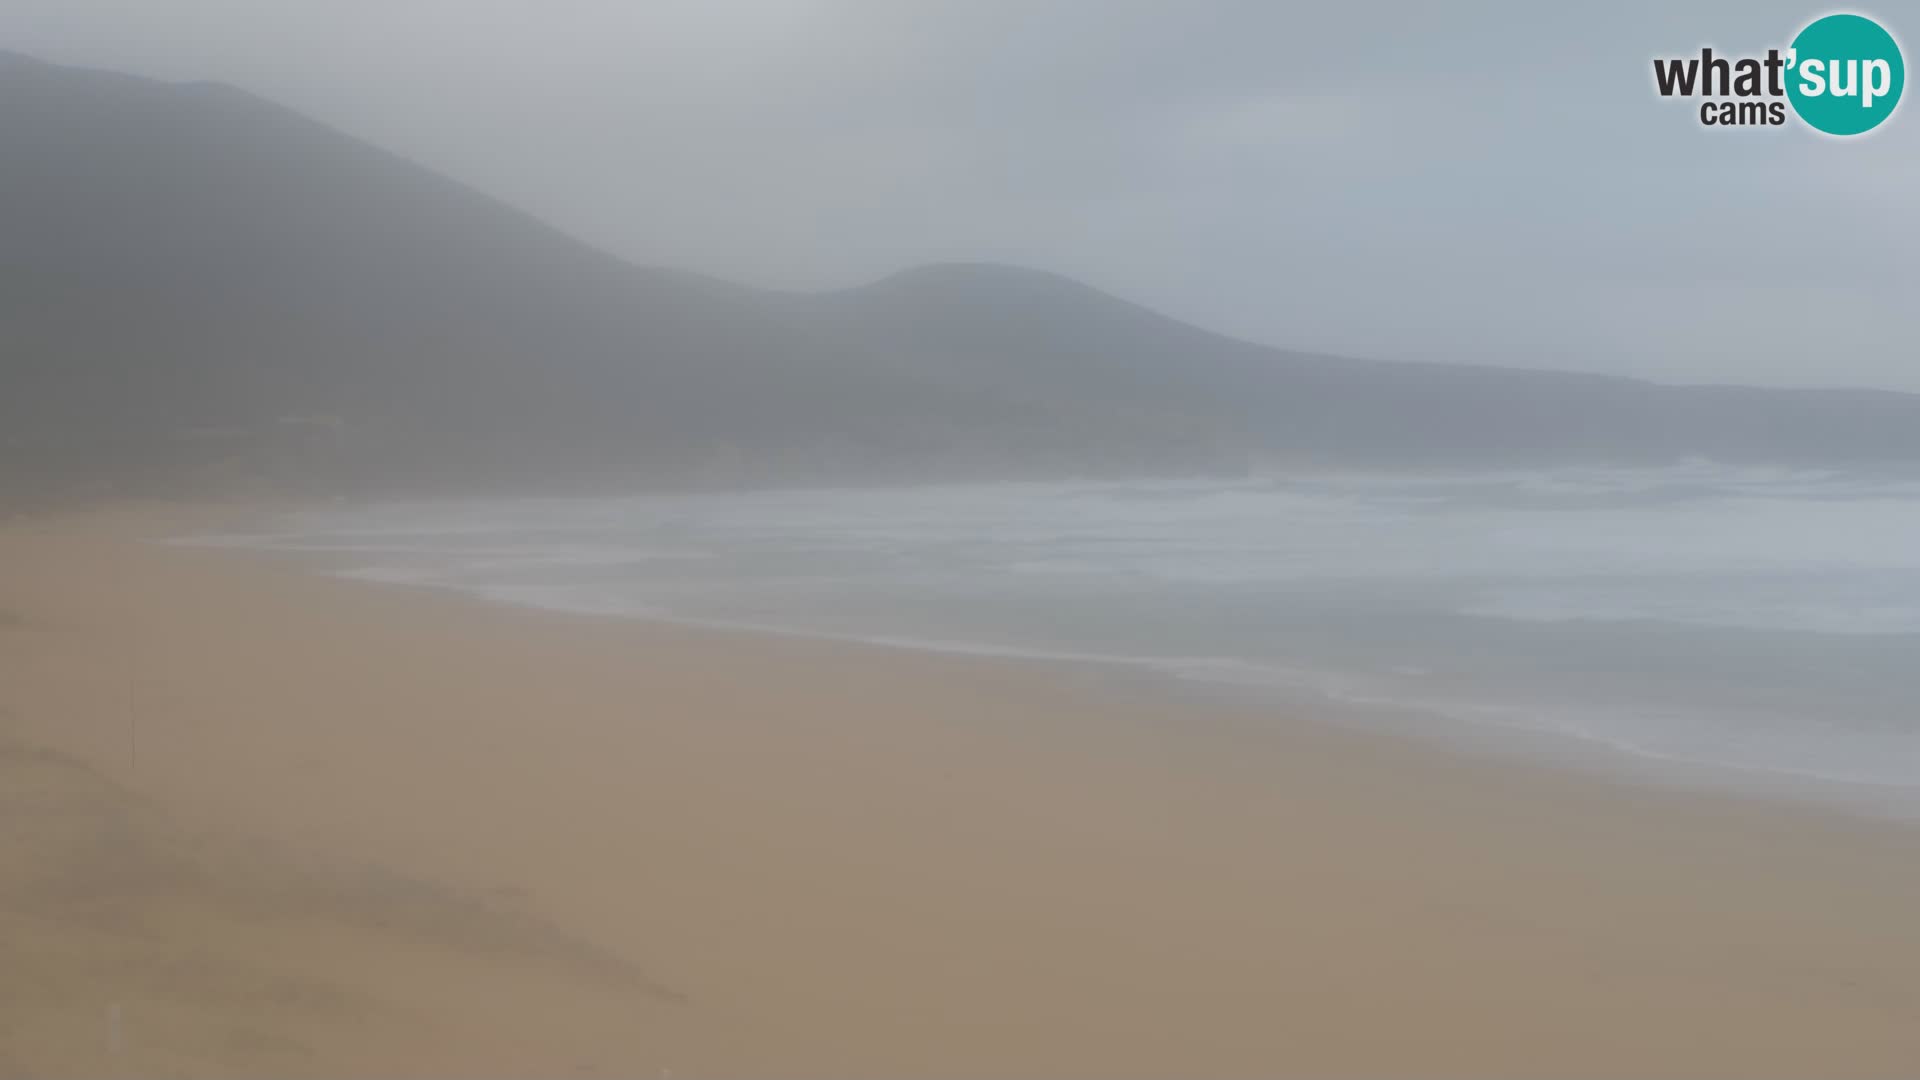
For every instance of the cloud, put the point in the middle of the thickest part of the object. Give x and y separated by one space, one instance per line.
1495 183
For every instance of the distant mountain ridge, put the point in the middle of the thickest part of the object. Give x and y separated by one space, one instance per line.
200 288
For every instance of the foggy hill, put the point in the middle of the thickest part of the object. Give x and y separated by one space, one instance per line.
199 287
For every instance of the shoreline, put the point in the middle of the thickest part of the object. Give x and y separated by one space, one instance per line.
1434 727
622 847
1582 754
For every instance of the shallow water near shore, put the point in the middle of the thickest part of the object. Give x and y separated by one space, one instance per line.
1753 625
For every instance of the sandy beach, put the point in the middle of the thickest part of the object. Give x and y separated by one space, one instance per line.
255 821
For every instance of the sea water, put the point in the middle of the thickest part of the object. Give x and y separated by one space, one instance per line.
1751 623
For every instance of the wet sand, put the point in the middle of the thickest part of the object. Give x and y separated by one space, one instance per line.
256 821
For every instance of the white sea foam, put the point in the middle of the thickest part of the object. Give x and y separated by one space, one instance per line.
1753 618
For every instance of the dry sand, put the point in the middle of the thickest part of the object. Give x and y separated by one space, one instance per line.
262 822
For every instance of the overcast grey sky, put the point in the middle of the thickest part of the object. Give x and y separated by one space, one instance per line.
1491 182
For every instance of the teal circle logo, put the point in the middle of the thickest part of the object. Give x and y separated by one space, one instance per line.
1845 74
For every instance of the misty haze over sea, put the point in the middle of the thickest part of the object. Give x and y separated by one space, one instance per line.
210 294
1758 621
942 538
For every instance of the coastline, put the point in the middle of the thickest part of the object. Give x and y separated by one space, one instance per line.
1788 676
1500 734
447 836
